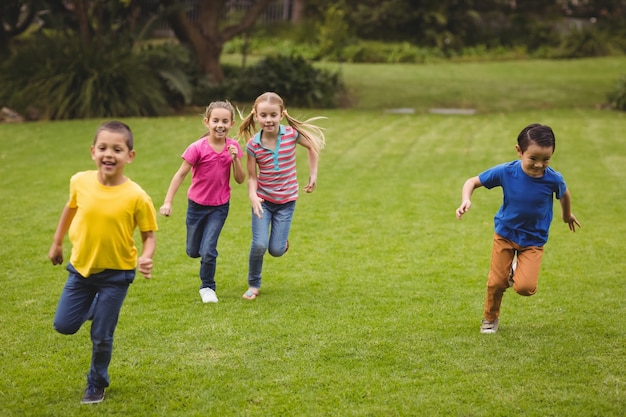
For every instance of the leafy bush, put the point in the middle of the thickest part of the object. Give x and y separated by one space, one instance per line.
617 97
390 52
333 33
587 42
292 77
174 64
62 79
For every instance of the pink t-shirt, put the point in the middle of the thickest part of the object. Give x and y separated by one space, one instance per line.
210 172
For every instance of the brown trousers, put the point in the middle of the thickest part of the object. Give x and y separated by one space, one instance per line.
526 272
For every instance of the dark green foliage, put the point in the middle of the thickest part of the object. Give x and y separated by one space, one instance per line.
206 91
587 42
62 79
617 97
292 77
385 52
174 65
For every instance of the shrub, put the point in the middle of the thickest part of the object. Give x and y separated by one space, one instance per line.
62 79
292 77
174 65
586 42
390 52
617 97
333 33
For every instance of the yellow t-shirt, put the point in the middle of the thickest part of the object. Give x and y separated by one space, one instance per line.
102 230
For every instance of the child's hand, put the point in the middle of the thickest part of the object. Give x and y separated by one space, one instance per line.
257 208
232 150
310 187
55 254
463 208
166 209
572 222
144 265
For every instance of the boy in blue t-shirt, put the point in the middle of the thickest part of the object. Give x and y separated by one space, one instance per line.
523 221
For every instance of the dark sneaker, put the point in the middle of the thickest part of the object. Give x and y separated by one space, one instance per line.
93 395
489 327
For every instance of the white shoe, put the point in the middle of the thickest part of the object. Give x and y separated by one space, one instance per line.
513 267
489 327
208 295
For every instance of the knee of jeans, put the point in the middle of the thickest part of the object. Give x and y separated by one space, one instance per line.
193 254
65 329
208 257
275 252
258 249
102 343
501 286
525 291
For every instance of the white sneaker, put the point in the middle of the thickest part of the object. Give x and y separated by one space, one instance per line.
513 267
208 295
489 327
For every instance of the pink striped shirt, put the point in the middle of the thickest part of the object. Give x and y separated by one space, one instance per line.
276 177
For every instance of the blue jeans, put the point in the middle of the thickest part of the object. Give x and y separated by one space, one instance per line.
204 225
279 217
100 296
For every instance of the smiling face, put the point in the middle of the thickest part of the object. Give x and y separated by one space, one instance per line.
111 153
535 159
268 116
219 122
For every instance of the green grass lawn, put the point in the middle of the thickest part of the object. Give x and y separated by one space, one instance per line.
375 309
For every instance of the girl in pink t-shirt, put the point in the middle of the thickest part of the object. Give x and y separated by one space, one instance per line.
209 159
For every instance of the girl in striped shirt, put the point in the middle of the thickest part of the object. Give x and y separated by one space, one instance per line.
272 180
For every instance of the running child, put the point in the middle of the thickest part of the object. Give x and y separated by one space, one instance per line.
103 210
272 179
523 221
209 159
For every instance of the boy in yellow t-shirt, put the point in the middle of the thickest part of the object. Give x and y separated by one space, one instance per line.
103 210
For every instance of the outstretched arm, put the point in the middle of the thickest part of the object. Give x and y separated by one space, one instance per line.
466 195
566 209
144 263
313 158
255 200
177 180
55 254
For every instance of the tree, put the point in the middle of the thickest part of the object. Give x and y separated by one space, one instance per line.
95 20
204 34
15 18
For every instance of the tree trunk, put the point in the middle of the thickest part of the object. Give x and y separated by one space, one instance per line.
297 10
82 15
203 34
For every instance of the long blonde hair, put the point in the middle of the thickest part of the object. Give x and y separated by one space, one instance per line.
312 133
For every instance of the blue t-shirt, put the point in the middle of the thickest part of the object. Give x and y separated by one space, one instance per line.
526 211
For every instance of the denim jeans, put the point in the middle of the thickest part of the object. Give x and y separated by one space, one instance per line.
204 225
264 238
108 290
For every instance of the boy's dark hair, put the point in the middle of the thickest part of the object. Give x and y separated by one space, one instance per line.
117 127
542 135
